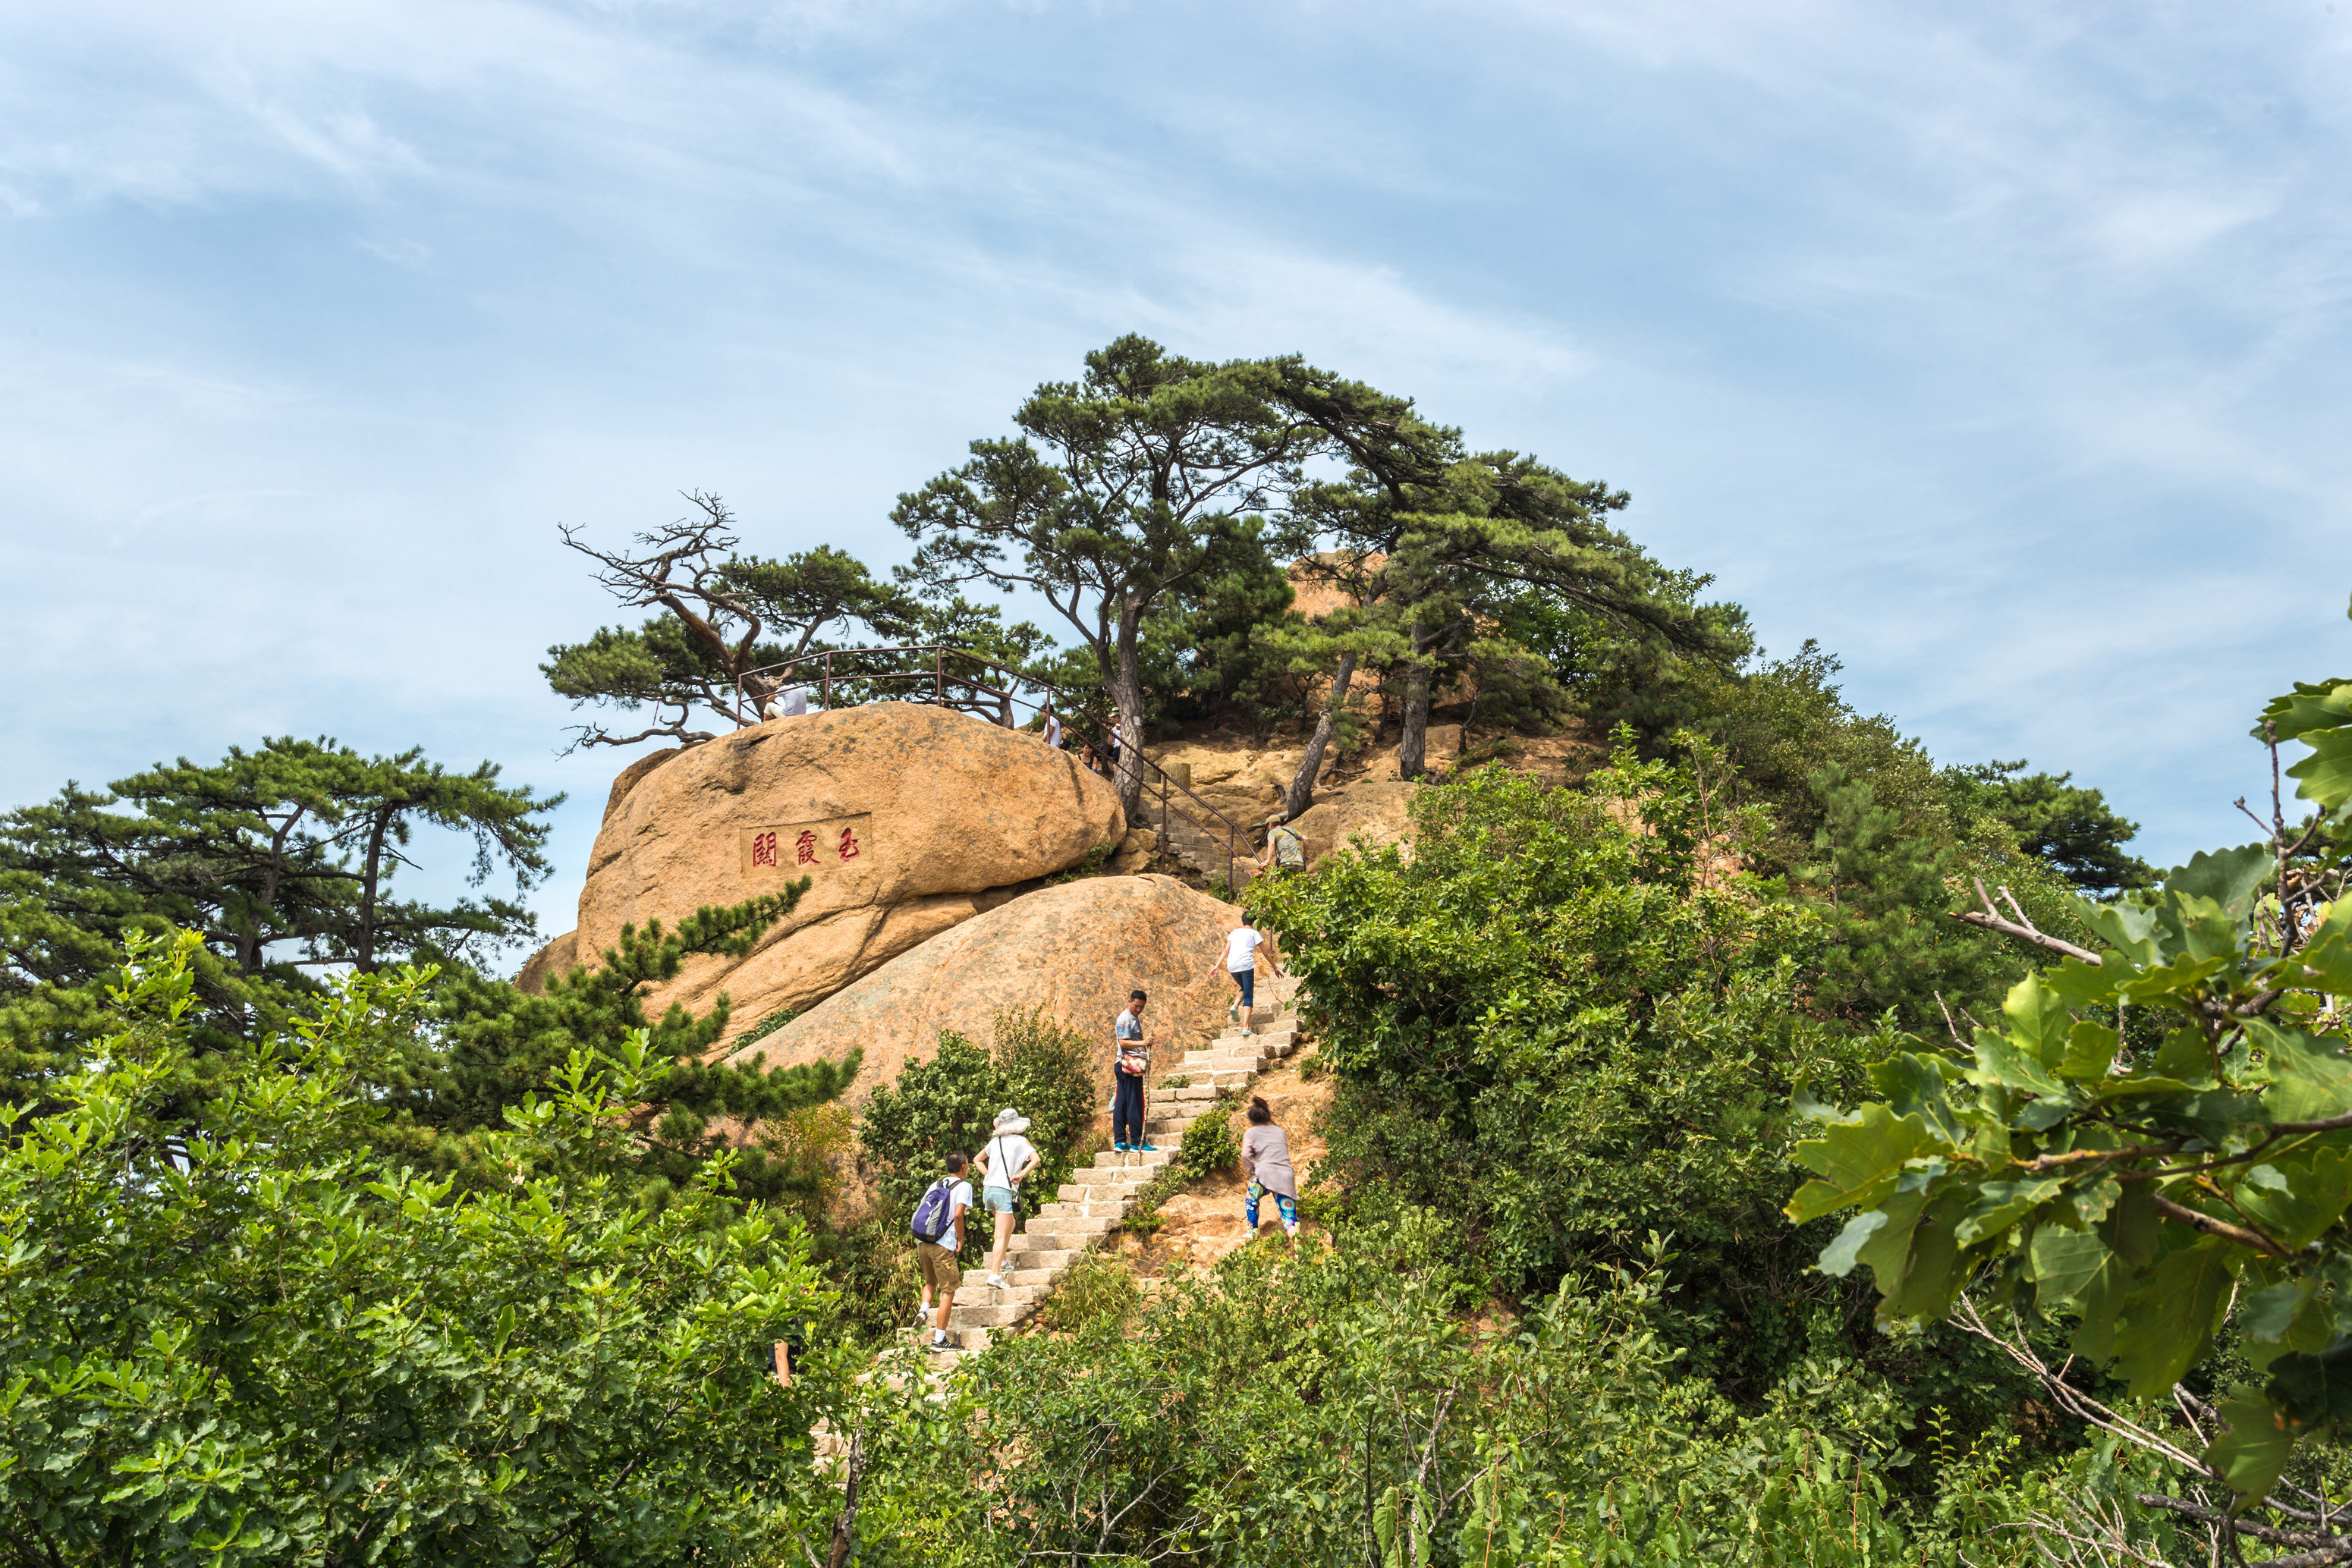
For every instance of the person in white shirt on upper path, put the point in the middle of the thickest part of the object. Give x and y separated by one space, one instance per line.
1240 962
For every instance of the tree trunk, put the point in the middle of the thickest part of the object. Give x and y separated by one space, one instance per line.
845 1523
1412 741
1302 788
372 874
1127 695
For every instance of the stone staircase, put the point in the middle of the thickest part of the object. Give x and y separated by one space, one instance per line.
1097 1197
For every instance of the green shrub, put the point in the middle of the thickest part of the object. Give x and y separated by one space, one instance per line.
275 1347
1209 1143
1042 1068
1095 1288
764 1027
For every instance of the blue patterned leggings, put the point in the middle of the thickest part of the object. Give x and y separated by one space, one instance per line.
1282 1200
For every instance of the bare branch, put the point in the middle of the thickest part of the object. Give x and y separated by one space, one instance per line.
2222 1228
2023 934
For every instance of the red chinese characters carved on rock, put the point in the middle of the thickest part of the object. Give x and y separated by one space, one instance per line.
843 845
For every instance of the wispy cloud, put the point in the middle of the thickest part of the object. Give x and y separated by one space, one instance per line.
2001 346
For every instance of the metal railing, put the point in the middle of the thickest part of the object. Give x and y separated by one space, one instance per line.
955 672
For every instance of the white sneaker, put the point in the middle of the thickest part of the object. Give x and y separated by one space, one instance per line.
998 1280
939 1338
923 1317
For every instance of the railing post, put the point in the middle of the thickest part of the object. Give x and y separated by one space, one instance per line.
938 673
828 681
1163 817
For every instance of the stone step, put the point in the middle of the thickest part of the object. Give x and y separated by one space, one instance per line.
1075 1224
1112 1158
1127 1177
1014 1276
1002 1317
1019 1258
1061 1237
1056 1212
1081 1192
986 1295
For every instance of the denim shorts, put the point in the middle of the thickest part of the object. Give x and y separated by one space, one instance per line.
1248 981
999 1199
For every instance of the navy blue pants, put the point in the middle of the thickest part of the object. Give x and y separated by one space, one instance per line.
1127 1110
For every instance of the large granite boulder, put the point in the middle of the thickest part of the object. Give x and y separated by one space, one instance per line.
1371 813
1076 949
909 819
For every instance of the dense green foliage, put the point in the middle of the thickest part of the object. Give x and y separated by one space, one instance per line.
1342 1406
489 1045
2141 1190
246 1338
284 858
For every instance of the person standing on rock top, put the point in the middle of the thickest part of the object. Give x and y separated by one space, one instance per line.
1265 1165
1241 944
1128 1069
1004 1164
1053 726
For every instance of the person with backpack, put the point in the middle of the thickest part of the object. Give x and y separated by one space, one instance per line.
1005 1163
1240 962
1265 1165
938 1238
1285 850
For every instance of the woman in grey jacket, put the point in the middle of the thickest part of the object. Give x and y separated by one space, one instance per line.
1266 1165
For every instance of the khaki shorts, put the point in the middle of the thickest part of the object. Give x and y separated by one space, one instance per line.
942 1269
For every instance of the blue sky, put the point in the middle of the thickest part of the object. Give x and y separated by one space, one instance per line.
2002 348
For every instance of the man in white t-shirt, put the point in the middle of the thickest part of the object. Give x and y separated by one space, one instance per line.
1053 726
942 1269
1005 1163
1240 962
790 703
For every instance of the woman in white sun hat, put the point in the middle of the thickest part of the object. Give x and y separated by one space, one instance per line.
1005 1163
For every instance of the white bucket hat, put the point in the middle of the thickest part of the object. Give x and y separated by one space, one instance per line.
1011 1121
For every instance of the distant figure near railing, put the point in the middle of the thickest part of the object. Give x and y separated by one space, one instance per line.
953 677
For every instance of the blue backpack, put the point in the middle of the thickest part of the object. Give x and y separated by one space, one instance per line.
935 1215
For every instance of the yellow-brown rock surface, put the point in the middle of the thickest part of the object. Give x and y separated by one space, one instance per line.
1076 949
909 819
1374 812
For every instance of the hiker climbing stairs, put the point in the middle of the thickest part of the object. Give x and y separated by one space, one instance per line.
1094 1201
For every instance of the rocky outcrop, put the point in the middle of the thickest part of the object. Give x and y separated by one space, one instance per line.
909 819
1076 949
1244 783
1372 814
552 959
